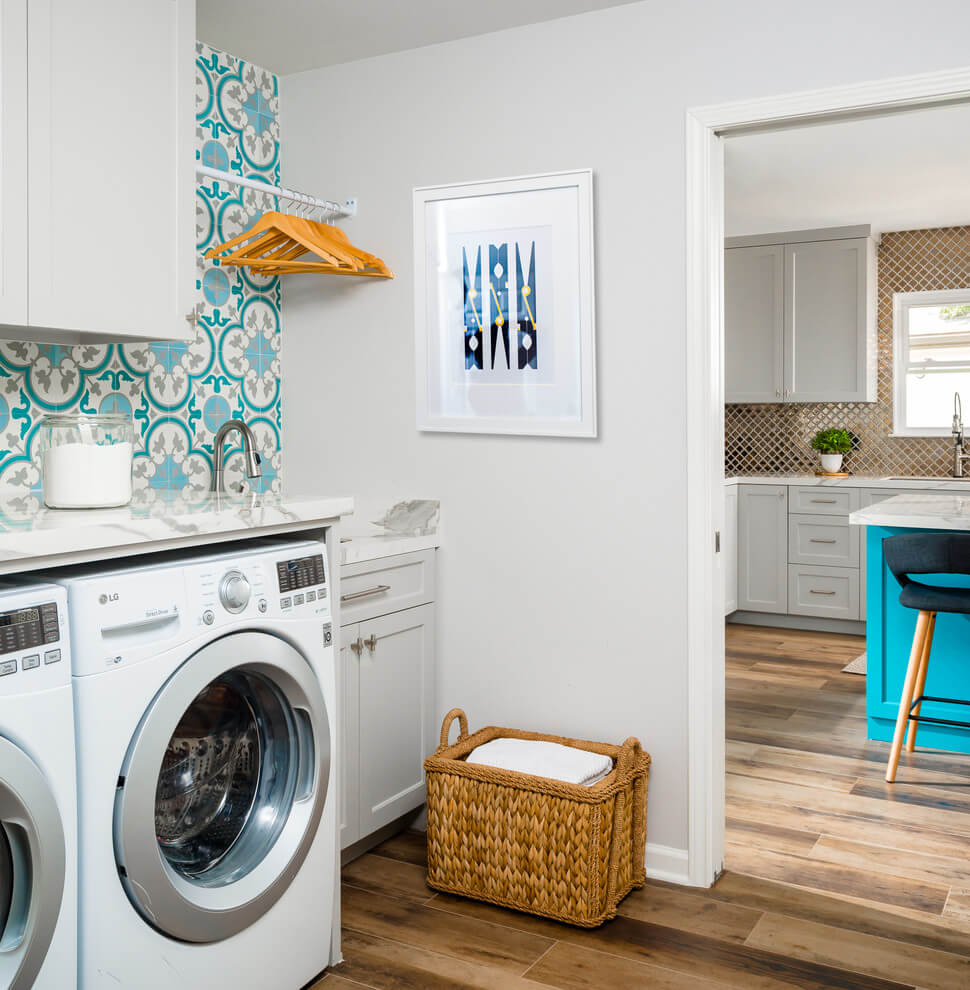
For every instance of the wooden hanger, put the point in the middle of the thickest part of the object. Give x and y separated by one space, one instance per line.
278 243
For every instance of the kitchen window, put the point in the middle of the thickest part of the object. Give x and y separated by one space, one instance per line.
931 360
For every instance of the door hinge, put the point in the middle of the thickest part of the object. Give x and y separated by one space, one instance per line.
717 541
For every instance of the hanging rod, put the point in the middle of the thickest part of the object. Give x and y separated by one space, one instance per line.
347 209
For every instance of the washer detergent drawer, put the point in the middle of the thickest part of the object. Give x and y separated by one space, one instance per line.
378 587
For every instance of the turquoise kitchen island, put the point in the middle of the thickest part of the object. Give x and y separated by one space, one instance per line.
890 626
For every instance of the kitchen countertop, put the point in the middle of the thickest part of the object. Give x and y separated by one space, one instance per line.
33 536
856 481
917 510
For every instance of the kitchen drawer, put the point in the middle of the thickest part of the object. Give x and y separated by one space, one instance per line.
377 587
829 592
822 501
822 540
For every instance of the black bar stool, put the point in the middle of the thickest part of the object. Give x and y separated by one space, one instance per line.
924 553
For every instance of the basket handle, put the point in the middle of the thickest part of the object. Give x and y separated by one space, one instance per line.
455 713
630 755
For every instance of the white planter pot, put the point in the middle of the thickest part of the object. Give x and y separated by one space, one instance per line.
831 463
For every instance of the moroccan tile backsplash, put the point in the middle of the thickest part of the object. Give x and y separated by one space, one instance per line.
179 393
776 438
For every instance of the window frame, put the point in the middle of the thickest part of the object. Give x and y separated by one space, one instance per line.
903 302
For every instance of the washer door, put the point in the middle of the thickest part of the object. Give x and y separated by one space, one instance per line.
32 862
223 787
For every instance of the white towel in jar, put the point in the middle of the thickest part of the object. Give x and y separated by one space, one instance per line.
543 759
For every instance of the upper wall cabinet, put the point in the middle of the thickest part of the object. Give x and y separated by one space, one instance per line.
799 317
97 223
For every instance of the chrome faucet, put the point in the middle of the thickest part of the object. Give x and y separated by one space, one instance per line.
218 453
959 456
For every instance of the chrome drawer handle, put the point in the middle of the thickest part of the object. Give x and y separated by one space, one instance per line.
815 540
812 591
825 501
380 589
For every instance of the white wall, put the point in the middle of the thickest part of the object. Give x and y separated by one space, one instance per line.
564 597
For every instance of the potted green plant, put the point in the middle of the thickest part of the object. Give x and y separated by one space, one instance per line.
832 445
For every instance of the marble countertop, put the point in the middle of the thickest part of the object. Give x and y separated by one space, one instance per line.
33 536
356 549
946 484
363 535
917 510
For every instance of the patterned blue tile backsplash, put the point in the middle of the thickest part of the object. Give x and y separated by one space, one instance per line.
179 394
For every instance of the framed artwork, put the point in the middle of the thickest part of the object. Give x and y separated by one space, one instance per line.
503 306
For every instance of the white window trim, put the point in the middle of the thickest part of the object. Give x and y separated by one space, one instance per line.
902 302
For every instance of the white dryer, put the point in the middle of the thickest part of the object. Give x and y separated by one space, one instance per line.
38 813
205 698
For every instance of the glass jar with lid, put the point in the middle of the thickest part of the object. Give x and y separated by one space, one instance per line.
86 460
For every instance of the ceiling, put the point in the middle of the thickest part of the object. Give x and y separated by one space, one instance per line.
900 172
292 35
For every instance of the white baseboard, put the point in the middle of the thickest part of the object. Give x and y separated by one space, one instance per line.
666 863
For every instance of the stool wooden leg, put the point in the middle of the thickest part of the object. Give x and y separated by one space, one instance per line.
909 686
921 682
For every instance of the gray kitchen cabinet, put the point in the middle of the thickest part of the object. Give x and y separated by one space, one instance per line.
729 549
809 333
754 313
830 321
763 548
385 683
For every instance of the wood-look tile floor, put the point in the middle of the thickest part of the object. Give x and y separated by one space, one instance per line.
834 879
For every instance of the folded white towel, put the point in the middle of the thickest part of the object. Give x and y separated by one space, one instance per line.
543 759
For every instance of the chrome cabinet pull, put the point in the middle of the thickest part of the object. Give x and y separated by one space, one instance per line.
812 591
380 589
371 642
824 501
814 540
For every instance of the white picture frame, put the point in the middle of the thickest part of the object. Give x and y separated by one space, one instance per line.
504 311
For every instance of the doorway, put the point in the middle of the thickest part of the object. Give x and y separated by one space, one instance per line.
706 130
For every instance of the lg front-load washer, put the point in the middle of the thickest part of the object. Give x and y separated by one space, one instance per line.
205 698
38 813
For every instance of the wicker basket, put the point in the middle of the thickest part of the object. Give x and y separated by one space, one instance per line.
559 850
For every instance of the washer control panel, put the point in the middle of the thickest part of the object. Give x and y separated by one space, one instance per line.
32 656
301 581
234 591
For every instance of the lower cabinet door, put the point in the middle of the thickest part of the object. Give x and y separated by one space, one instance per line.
396 677
348 758
763 548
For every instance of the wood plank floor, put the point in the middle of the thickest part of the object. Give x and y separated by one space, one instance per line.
834 879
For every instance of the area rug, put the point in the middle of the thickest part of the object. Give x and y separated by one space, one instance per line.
858 666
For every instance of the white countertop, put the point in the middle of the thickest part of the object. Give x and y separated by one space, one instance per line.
857 481
32 536
917 510
364 536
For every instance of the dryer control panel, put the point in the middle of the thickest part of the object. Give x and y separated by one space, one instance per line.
33 657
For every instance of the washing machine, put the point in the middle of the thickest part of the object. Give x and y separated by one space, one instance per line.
38 812
204 691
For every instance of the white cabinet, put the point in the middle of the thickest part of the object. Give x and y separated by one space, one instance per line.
13 161
799 317
99 99
385 683
763 548
729 549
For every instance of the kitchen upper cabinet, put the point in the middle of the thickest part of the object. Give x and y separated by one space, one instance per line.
799 317
754 310
99 244
763 548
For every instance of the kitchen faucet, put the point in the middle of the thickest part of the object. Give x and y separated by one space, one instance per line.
959 456
249 452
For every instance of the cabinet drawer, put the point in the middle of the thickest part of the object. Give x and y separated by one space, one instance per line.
377 587
831 592
822 540
821 501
